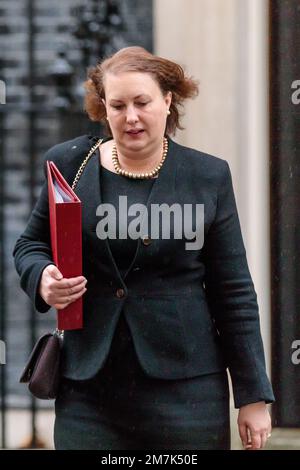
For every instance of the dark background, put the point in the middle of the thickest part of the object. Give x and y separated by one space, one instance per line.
285 206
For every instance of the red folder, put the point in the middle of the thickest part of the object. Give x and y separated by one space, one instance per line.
66 240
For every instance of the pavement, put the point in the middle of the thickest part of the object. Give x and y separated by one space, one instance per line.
18 429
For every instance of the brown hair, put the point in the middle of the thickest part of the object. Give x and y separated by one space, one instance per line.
169 76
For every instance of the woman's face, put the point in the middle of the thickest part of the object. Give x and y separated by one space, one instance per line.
136 109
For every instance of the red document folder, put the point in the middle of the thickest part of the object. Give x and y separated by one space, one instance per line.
66 240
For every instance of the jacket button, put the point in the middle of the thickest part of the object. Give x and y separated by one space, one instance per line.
120 293
146 240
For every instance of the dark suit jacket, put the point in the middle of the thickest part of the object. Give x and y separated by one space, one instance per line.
190 312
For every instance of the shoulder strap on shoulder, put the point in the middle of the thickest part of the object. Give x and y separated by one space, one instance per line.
83 164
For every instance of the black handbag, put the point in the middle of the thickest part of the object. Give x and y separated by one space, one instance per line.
42 371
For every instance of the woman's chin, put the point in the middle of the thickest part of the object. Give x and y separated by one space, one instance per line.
135 142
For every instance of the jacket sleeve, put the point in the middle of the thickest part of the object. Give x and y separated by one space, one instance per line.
233 301
32 251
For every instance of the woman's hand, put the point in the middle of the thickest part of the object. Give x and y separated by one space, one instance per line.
254 424
58 291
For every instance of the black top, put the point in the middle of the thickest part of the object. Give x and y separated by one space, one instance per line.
136 191
122 356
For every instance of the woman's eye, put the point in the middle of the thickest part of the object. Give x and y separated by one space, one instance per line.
120 106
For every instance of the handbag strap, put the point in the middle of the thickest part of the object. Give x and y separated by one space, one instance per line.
58 332
83 164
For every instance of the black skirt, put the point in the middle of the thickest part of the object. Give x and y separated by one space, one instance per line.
122 408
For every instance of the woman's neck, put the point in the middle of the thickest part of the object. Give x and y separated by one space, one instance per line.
141 161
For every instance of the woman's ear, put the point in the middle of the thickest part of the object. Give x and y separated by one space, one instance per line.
168 98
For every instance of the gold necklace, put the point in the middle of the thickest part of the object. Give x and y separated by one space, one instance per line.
130 174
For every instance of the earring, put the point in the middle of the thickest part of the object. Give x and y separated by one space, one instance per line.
107 118
168 112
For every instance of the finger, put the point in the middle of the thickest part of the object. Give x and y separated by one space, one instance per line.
71 298
67 283
255 440
54 272
70 290
264 438
248 445
243 434
60 306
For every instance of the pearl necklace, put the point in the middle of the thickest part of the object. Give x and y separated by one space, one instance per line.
146 175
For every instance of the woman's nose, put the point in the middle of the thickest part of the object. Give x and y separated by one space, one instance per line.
131 115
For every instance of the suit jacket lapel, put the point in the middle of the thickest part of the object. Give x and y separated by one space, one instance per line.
89 192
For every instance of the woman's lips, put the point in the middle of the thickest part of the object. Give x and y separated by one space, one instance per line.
135 132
